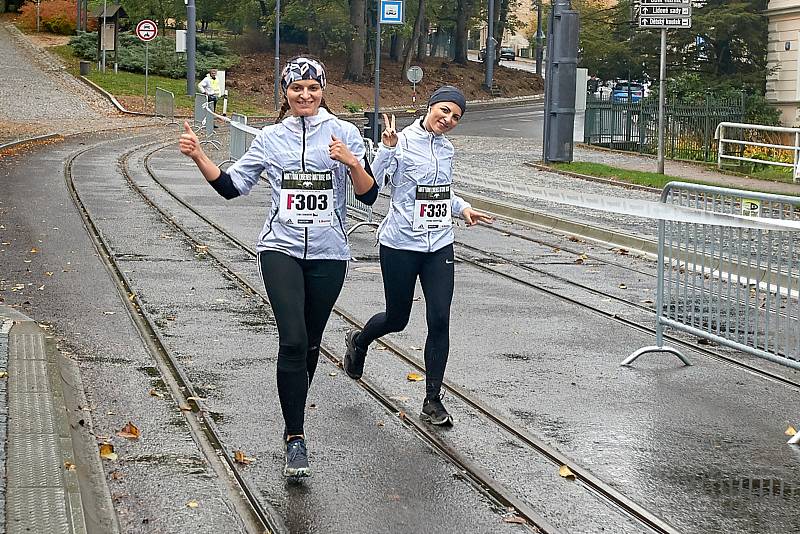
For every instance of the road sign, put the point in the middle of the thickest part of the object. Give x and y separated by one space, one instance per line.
665 13
414 74
146 30
391 12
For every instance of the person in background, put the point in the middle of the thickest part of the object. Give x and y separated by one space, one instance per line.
209 86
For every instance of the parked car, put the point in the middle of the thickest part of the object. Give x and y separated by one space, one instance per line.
508 54
482 54
622 91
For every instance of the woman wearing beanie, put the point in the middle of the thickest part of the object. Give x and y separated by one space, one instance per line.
302 249
416 239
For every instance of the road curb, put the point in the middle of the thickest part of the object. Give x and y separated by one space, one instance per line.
30 140
111 98
590 178
51 485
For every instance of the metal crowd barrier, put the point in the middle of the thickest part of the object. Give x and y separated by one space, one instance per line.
356 206
737 287
200 105
207 124
772 147
165 105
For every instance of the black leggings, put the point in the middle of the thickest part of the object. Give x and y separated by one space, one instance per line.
436 272
302 294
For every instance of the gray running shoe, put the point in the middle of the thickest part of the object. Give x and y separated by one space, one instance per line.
296 459
433 412
354 356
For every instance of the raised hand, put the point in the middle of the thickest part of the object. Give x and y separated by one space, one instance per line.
188 142
472 217
339 152
389 135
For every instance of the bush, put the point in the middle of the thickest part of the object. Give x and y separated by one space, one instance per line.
162 57
55 16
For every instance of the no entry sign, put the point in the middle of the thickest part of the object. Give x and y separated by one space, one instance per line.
146 30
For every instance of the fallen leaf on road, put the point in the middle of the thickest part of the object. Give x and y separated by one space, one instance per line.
34 250
414 377
515 519
154 393
333 373
107 452
48 273
192 504
69 466
129 431
184 408
623 286
3 374
566 472
240 458
41 287
791 431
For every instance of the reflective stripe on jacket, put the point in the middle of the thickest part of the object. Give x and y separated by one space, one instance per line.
300 144
418 158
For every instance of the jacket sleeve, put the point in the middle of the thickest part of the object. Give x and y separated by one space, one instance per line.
246 171
387 161
458 204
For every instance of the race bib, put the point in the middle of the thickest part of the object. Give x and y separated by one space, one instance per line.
432 207
306 199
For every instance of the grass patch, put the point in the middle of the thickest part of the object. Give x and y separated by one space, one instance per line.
650 179
131 84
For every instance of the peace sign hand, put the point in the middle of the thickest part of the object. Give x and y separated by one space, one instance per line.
389 135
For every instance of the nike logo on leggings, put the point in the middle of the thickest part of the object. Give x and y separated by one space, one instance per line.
449 262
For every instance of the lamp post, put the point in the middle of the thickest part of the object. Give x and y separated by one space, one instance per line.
191 43
539 38
277 50
489 57
103 35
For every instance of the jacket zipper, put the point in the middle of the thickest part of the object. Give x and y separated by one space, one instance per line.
303 168
435 177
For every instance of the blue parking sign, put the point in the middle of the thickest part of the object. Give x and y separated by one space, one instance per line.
391 12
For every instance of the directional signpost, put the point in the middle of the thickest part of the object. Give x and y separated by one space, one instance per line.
664 14
146 30
414 75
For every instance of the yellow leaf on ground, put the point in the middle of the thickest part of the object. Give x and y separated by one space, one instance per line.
414 377
791 431
515 519
3 374
566 472
34 251
129 431
107 452
69 466
192 504
240 458
154 393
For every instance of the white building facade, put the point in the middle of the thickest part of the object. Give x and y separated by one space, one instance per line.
783 59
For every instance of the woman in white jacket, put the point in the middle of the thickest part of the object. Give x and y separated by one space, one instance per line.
416 239
302 249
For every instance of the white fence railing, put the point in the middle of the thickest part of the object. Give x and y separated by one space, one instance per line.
726 127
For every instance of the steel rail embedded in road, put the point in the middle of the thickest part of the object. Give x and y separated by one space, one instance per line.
256 517
477 475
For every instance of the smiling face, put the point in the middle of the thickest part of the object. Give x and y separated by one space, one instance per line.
442 117
304 97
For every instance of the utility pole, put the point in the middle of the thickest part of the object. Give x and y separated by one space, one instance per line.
661 90
277 51
488 59
560 81
539 38
191 46
103 35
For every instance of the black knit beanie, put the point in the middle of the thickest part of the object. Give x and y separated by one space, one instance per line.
448 93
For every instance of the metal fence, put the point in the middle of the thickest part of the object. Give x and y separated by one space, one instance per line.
735 286
633 126
356 206
759 145
165 105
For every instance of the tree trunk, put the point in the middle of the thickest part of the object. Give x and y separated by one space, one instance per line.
413 44
396 47
262 5
355 64
422 42
462 11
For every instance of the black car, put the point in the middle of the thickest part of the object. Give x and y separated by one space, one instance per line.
508 54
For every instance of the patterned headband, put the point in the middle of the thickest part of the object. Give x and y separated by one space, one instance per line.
303 68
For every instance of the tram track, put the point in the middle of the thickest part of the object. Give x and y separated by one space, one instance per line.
475 474
256 516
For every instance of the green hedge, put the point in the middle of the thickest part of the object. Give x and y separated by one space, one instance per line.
163 60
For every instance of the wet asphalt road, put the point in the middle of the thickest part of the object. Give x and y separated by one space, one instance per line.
664 435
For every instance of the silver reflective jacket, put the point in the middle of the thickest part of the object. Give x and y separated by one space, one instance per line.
418 158
300 144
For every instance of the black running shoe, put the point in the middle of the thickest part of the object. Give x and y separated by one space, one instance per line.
296 459
354 356
433 412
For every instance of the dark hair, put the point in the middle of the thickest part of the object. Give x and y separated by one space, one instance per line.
285 107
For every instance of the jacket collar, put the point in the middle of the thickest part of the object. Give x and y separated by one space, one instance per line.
295 124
